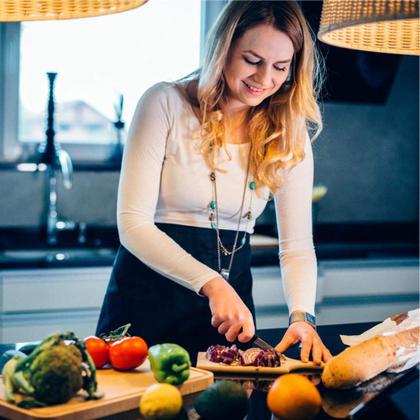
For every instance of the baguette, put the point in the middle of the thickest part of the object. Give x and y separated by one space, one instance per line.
365 360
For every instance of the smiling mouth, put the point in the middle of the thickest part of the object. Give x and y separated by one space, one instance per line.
253 88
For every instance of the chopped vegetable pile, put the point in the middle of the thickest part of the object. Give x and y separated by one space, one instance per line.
236 357
223 354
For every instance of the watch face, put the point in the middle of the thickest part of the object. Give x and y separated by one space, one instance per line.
310 318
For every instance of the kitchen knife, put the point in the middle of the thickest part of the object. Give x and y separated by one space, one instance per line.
259 342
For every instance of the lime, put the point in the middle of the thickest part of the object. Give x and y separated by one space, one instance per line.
224 400
160 402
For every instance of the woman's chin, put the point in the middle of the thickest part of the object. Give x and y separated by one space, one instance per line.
253 101
246 100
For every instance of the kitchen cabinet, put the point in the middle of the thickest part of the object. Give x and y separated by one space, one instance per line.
36 302
348 291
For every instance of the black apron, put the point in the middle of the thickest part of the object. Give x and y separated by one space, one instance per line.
159 309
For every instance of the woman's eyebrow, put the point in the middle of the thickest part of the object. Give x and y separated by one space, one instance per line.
257 55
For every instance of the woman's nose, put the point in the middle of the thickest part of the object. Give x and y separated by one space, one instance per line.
264 75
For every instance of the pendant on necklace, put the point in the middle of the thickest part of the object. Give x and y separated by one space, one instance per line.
224 272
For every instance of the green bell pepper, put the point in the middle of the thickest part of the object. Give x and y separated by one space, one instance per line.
170 363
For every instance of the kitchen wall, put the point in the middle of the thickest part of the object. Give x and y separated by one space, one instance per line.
367 156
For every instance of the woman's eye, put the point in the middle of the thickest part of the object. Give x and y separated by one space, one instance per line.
280 68
254 63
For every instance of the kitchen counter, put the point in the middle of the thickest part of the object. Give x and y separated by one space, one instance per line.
46 288
96 246
399 398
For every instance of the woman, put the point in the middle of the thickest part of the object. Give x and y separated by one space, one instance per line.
202 158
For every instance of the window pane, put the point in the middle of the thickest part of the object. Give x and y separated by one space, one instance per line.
99 59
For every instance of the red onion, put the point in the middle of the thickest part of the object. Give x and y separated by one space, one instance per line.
251 357
222 354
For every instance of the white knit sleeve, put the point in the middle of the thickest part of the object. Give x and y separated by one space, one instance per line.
296 249
138 194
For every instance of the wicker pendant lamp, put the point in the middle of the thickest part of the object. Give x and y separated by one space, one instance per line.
387 26
22 10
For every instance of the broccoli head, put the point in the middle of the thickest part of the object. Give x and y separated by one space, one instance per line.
56 375
51 374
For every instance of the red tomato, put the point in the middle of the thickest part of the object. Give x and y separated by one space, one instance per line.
98 350
127 353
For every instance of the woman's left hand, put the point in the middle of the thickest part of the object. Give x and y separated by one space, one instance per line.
311 342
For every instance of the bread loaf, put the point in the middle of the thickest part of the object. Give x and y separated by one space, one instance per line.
365 360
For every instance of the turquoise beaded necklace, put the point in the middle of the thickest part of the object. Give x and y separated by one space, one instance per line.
214 222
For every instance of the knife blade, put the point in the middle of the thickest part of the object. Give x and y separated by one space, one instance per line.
259 342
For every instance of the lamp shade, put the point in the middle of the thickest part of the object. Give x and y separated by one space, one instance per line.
22 10
387 26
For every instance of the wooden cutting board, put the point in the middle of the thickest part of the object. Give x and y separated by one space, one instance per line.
287 365
122 393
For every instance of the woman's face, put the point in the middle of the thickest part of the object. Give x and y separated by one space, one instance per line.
257 65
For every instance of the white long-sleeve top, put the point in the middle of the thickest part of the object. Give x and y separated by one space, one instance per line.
164 179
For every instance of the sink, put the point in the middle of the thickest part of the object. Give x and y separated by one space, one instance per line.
58 256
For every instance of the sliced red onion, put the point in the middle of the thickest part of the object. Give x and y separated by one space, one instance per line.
223 354
268 358
236 357
250 355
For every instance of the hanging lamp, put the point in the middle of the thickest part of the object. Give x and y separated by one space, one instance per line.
27 10
386 26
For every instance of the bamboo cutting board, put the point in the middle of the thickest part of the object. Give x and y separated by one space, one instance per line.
287 365
122 393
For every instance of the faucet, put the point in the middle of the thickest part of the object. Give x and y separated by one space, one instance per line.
55 160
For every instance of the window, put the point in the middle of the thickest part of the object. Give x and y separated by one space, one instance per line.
97 60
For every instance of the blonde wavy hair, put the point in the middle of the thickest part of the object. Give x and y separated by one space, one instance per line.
278 126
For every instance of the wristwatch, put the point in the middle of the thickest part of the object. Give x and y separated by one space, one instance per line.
302 316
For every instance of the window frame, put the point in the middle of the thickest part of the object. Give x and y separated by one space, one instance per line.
9 91
13 151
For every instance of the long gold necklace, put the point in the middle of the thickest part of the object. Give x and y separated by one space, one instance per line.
214 222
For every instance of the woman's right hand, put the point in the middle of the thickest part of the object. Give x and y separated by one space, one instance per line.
230 315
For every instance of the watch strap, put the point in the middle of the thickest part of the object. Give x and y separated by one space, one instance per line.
302 316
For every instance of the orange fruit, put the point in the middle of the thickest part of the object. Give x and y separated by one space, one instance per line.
293 397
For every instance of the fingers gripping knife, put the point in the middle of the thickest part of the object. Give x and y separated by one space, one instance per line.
259 342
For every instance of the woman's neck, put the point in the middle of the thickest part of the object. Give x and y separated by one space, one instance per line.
235 123
234 110
234 116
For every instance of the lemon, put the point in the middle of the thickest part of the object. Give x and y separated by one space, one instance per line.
160 402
